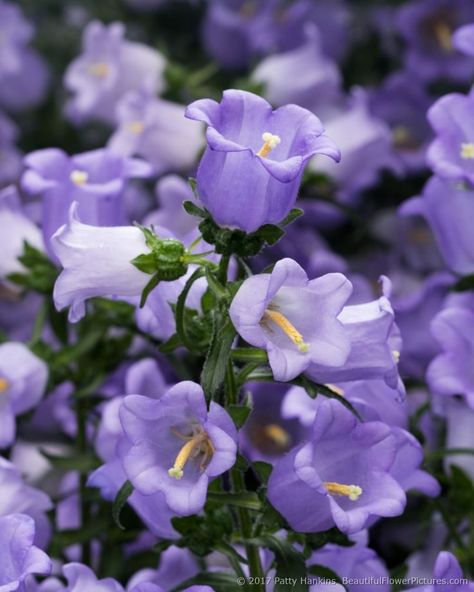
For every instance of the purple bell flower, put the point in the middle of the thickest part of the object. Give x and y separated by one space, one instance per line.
463 40
96 262
451 372
81 578
447 576
177 446
340 476
251 170
275 312
146 124
448 208
109 67
23 378
427 27
451 154
19 557
95 180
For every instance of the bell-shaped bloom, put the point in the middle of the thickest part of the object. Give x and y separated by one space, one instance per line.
80 578
463 39
95 180
427 27
357 562
10 163
268 434
17 229
96 262
110 477
18 497
448 208
451 154
276 312
109 67
251 170
365 142
451 372
23 378
341 476
304 76
19 557
146 125
177 446
375 343
447 576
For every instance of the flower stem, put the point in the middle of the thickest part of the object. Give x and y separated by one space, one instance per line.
81 414
223 269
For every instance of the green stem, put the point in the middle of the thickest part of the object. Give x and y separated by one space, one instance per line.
230 385
223 269
81 414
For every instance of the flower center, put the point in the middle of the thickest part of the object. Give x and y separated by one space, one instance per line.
270 141
100 70
79 177
443 35
196 445
136 127
4 384
277 435
467 150
353 492
287 327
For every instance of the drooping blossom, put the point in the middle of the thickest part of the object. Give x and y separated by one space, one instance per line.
109 67
447 576
341 476
276 312
177 446
23 378
95 180
253 164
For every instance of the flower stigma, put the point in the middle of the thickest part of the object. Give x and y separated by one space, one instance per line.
270 141
79 177
100 70
136 127
287 327
4 384
353 492
197 444
277 435
467 150
443 34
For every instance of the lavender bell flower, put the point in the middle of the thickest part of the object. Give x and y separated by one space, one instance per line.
304 76
16 229
447 576
10 157
463 40
109 67
146 124
18 497
451 154
23 379
340 476
427 27
273 312
95 180
251 170
96 262
81 578
451 372
177 446
19 557
448 208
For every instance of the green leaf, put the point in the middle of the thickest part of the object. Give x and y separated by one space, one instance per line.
263 470
464 284
323 572
239 414
81 463
215 286
180 310
241 499
120 500
270 233
145 263
219 581
214 369
155 280
193 210
294 214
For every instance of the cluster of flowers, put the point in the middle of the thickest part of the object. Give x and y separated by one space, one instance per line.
183 380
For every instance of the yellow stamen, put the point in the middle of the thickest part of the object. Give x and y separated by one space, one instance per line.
271 141
443 34
353 492
100 69
79 177
195 445
136 127
277 435
467 150
285 325
4 384
338 390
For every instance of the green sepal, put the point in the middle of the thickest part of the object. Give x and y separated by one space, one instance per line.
120 500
